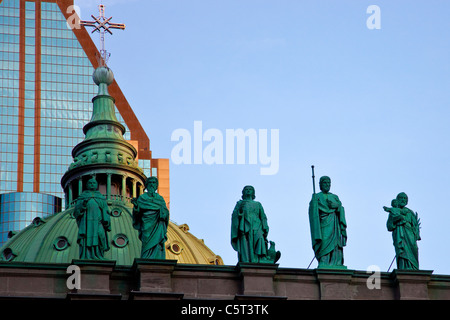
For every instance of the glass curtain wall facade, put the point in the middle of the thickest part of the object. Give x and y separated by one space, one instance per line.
19 208
9 89
46 91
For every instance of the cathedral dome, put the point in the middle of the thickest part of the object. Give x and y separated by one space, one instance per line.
54 240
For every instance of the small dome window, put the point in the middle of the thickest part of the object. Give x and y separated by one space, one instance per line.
61 243
215 260
11 234
38 221
184 227
175 247
116 212
120 240
8 254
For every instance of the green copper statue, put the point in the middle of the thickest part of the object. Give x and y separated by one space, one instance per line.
151 218
249 231
328 226
93 220
405 226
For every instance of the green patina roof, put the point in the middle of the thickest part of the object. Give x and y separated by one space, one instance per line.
104 146
37 242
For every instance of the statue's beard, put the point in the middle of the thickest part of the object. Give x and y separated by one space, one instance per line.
151 189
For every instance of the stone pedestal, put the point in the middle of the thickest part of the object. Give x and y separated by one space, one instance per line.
94 280
411 284
334 284
257 280
154 279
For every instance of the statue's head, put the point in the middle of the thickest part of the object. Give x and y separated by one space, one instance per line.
325 184
394 203
92 184
402 199
248 192
151 184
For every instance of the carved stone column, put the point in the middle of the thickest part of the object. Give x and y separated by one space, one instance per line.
124 187
108 186
134 188
70 194
80 185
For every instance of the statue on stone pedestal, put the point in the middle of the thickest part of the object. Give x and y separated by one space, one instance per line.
151 218
328 226
93 220
405 227
249 230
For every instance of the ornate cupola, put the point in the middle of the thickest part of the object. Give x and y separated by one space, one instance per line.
104 153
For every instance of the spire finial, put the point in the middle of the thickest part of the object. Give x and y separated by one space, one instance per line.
102 24
103 77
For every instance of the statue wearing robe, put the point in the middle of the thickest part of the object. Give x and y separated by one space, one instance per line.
328 227
93 220
405 227
151 219
249 230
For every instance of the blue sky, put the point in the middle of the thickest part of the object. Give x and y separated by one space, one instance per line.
369 108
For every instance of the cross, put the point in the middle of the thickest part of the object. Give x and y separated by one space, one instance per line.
101 24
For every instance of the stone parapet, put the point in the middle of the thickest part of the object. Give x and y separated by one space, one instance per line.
168 280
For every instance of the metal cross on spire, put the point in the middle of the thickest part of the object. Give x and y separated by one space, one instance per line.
102 24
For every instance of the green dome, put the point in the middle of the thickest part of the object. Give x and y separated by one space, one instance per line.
54 240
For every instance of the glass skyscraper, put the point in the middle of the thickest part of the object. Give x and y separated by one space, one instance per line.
45 100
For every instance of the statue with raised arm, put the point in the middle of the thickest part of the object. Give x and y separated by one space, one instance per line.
249 230
328 226
93 220
151 218
405 227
